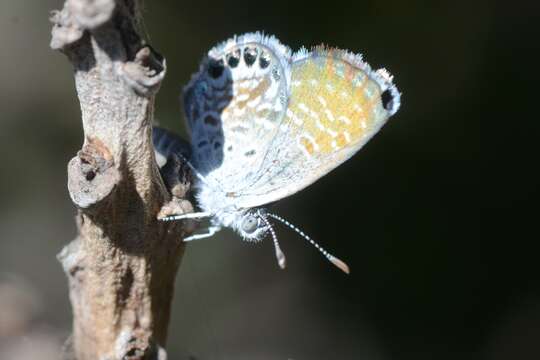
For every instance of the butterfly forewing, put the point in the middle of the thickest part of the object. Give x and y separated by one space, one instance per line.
336 104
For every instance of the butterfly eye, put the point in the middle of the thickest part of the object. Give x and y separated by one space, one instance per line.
233 58
250 224
250 55
215 68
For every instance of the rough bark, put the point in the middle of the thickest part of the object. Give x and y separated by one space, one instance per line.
122 265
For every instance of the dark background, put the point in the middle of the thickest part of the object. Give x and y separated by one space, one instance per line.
437 215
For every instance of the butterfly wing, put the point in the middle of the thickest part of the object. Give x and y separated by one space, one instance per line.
234 105
336 104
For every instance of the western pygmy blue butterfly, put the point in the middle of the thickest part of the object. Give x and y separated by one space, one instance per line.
265 123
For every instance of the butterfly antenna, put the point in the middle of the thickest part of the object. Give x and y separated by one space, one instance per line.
334 260
280 256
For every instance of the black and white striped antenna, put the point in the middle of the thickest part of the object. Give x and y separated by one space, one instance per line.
280 256
334 260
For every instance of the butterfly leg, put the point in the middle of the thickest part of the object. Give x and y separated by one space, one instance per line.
195 215
210 231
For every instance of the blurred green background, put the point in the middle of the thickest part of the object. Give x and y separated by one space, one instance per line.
436 215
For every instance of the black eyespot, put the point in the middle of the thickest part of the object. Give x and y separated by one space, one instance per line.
215 68
264 60
387 100
282 98
275 73
250 55
249 153
210 120
233 58
229 148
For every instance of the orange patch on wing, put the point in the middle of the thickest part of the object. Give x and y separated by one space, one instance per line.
259 90
355 106
349 73
307 145
341 141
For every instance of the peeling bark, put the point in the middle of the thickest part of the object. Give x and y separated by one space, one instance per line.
122 265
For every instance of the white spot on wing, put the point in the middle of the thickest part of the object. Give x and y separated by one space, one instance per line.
313 114
264 122
254 102
268 125
254 83
272 91
345 119
329 115
245 84
293 117
321 100
242 97
264 106
303 107
239 112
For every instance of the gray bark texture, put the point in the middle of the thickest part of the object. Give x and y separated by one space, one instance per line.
122 265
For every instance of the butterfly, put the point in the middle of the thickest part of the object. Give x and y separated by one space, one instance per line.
266 123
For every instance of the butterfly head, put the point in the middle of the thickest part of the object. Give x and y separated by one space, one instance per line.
250 225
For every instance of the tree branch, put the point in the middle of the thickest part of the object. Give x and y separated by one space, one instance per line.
121 267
